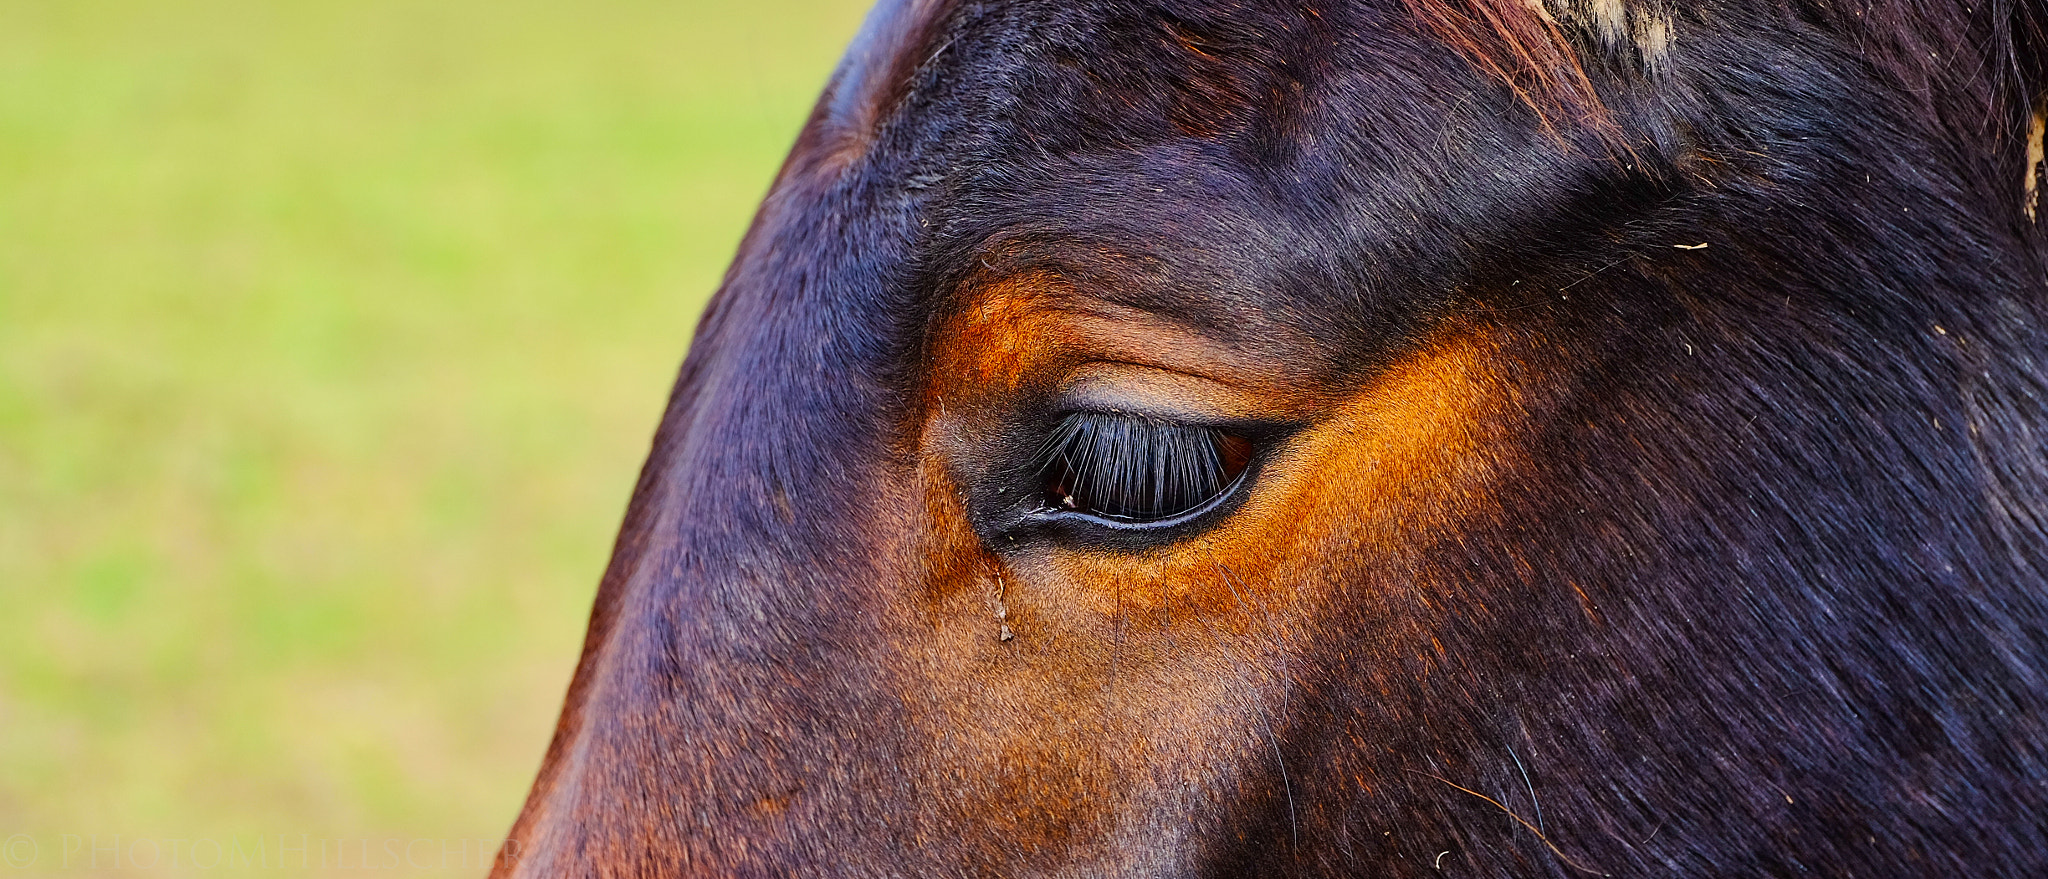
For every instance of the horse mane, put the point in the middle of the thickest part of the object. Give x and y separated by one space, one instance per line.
1519 43
1537 48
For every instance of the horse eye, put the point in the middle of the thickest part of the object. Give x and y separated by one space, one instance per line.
1133 468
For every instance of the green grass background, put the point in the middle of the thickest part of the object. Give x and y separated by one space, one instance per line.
332 334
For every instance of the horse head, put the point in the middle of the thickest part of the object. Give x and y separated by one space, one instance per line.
1379 437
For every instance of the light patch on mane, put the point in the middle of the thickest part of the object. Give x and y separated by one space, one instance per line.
2036 127
1634 26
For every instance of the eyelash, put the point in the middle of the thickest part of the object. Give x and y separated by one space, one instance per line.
1132 468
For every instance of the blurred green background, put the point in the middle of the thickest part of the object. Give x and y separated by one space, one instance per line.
332 336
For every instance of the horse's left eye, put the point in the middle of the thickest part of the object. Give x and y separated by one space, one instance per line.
1134 468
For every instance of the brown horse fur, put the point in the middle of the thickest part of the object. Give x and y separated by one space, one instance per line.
1650 471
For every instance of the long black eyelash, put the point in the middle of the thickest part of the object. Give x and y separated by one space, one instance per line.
1131 467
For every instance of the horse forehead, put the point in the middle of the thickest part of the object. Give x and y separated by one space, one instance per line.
873 77
899 39
1103 68
876 67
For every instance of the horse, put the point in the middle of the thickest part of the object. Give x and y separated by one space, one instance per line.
1187 438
